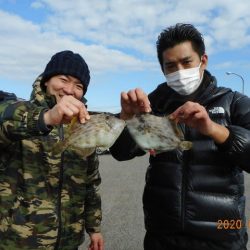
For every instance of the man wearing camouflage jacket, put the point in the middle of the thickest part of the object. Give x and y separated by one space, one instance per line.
46 199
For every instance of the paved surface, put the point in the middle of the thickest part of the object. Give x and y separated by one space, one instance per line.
121 189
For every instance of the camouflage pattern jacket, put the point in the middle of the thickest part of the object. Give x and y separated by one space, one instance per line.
20 119
46 200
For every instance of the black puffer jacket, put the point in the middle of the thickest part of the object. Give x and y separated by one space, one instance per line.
197 192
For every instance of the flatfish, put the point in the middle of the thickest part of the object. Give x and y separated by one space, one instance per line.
101 131
156 134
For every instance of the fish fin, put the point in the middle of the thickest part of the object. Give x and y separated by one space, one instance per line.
84 152
185 145
73 122
70 127
87 152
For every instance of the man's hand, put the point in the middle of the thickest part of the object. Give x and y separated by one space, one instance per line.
195 116
65 110
133 102
97 242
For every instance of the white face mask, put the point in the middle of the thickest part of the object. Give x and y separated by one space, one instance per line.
184 81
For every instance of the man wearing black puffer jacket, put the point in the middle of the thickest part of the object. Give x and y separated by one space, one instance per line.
193 200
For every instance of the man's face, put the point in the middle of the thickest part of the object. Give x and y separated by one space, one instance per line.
182 56
61 85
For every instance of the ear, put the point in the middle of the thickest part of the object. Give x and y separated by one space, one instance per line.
204 61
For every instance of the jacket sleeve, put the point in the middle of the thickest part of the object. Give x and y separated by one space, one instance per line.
125 148
237 146
93 212
20 120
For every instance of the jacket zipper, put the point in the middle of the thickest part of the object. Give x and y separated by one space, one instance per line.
184 181
61 136
183 196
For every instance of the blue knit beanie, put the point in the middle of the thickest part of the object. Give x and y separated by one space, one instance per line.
67 63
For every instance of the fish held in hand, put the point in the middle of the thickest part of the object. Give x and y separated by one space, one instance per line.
100 131
156 134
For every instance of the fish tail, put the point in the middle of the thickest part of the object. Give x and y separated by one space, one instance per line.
185 145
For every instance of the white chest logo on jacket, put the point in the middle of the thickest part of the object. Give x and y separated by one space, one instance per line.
217 110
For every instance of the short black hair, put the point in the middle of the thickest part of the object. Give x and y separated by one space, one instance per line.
177 34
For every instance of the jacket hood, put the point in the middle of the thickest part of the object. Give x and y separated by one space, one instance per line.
39 96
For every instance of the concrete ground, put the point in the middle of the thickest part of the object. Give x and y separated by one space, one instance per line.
121 190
